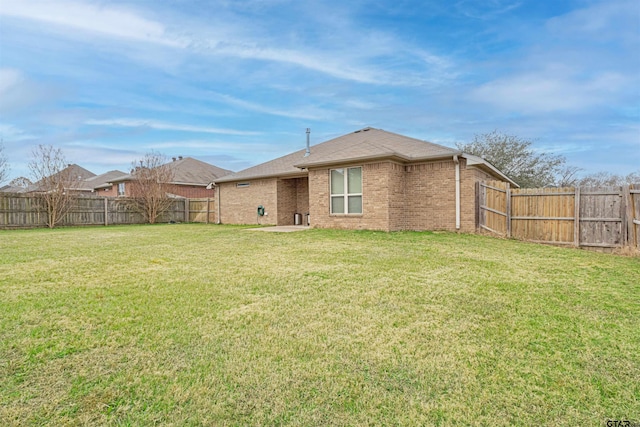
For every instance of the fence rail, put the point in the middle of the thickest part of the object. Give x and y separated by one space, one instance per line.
606 217
27 211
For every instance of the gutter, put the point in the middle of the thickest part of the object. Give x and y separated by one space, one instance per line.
479 161
391 155
291 174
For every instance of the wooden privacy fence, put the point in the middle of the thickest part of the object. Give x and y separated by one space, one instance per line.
605 217
26 211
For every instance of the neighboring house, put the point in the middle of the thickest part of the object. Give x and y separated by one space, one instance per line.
192 178
368 179
101 185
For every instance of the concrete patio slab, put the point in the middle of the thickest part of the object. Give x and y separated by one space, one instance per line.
281 228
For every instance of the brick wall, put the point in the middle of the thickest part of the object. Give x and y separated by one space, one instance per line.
107 192
395 197
292 198
378 181
287 201
398 197
302 192
430 196
190 191
238 205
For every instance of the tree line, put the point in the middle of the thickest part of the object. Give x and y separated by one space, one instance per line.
517 158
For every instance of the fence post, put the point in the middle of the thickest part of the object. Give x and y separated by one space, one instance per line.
632 221
576 217
187 208
624 226
508 209
208 210
106 212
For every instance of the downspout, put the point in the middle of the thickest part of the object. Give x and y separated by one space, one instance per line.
457 163
218 219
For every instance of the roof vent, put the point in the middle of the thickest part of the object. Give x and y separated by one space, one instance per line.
306 153
179 157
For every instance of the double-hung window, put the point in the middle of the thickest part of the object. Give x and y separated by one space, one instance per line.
121 189
346 191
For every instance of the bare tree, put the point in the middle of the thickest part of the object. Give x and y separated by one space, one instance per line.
608 179
4 165
516 158
151 178
21 181
568 177
53 178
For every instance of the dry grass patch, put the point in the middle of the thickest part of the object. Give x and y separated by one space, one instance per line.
197 324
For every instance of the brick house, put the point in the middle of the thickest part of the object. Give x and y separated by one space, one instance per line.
102 185
192 178
369 179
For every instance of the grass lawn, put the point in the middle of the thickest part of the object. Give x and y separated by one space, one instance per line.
216 325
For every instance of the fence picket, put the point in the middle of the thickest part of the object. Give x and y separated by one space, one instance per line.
25 211
606 217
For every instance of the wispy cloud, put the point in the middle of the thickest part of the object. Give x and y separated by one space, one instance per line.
306 113
211 146
367 59
543 93
107 20
159 125
9 78
487 9
12 134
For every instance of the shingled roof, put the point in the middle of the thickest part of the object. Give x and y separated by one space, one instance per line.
190 171
101 181
364 144
73 173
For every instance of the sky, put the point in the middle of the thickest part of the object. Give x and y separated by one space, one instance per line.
236 83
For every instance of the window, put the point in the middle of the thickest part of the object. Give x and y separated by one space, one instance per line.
242 184
121 189
346 191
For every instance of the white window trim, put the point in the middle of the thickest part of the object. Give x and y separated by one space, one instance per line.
346 193
123 192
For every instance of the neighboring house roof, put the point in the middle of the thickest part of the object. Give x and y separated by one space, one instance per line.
101 181
188 171
73 172
362 145
11 189
77 172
